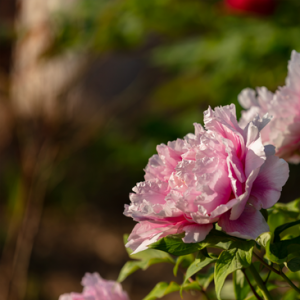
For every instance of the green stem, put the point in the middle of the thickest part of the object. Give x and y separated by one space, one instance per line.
278 272
289 281
260 282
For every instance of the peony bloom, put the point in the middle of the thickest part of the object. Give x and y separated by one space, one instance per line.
222 174
284 129
261 7
96 288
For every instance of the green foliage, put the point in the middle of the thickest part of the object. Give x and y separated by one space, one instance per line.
149 260
205 279
241 287
200 262
143 260
183 261
164 288
263 239
237 257
174 245
284 250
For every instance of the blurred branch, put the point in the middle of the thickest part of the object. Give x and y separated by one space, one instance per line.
37 181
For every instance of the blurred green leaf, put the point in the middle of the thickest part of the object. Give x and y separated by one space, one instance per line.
183 261
164 288
129 268
204 279
240 284
132 266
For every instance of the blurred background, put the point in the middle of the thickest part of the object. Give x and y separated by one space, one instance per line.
88 88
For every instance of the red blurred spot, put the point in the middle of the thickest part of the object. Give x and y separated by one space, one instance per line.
261 7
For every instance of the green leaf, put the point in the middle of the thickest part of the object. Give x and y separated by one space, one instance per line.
151 254
290 295
283 227
282 251
162 289
184 261
263 239
174 245
240 284
200 262
292 209
148 253
294 264
132 266
129 268
218 239
205 279
237 257
191 286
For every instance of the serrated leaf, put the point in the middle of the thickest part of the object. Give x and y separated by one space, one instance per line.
184 261
240 284
200 262
174 245
237 257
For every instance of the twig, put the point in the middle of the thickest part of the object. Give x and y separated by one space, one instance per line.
37 179
266 280
260 282
203 291
278 272
251 286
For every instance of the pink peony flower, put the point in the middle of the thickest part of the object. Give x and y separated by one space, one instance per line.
284 129
96 288
261 7
222 174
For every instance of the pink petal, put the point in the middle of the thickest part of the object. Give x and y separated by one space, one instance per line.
196 233
249 225
146 233
268 185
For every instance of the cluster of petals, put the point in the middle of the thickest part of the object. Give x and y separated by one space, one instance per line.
284 107
96 288
219 174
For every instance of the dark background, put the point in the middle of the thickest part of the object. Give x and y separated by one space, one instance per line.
150 70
